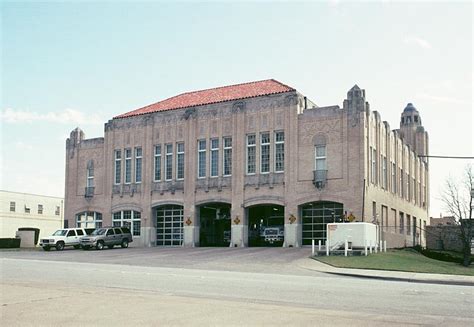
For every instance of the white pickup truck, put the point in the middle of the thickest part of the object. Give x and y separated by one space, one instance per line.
64 237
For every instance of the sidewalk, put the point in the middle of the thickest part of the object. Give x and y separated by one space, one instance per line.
412 277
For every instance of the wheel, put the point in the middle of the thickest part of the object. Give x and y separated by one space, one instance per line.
124 243
110 246
77 246
60 246
100 245
46 248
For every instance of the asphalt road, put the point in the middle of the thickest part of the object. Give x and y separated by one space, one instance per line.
211 287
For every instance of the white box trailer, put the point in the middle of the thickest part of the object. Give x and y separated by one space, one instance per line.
357 234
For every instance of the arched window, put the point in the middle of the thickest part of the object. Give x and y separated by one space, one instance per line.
89 219
128 218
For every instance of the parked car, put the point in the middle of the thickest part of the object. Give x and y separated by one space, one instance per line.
62 238
107 236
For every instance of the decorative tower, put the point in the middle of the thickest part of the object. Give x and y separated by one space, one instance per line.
413 131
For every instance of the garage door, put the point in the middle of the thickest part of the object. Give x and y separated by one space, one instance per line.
169 225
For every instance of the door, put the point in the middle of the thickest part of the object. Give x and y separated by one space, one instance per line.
109 237
71 238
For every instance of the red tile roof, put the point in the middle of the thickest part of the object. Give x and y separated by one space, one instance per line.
215 95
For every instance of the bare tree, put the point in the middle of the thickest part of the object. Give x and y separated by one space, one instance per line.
457 198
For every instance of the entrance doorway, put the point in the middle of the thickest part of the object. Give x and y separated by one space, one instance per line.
214 224
169 225
266 225
315 217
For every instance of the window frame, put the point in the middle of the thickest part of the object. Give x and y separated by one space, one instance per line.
168 162
227 155
138 165
128 166
250 146
279 151
117 167
157 160
180 159
263 152
320 158
201 159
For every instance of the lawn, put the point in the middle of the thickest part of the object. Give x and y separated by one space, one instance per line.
399 260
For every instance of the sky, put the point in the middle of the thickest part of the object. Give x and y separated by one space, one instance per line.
75 64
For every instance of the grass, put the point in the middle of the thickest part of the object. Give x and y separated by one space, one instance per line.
398 260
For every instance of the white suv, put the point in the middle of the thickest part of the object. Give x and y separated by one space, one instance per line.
62 238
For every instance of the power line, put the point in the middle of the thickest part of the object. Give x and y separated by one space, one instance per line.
445 157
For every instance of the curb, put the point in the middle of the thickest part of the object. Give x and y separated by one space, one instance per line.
401 279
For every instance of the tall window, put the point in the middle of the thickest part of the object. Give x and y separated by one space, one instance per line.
320 157
373 157
402 187
402 223
12 206
227 156
384 172
408 225
407 191
40 209
118 166
128 218
251 153
58 211
265 153
201 158
394 178
279 151
169 162
128 166
214 165
179 160
90 176
157 177
27 209
138 165
89 219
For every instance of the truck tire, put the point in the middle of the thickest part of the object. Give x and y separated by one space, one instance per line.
100 245
124 243
60 246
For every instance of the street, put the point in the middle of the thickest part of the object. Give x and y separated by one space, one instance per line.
206 286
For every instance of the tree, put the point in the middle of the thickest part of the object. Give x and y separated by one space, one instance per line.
458 198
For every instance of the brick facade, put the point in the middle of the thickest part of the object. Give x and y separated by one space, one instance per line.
360 152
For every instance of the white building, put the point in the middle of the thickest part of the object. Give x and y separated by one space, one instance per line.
30 210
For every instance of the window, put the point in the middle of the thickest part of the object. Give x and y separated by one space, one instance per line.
227 156
407 191
110 232
394 178
12 206
57 212
279 151
251 154
169 162
402 188
90 176
214 165
118 166
180 161
320 157
402 223
40 209
157 177
128 166
408 225
79 232
384 172
128 218
89 219
201 158
27 209
264 153
138 165
373 157
71 233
